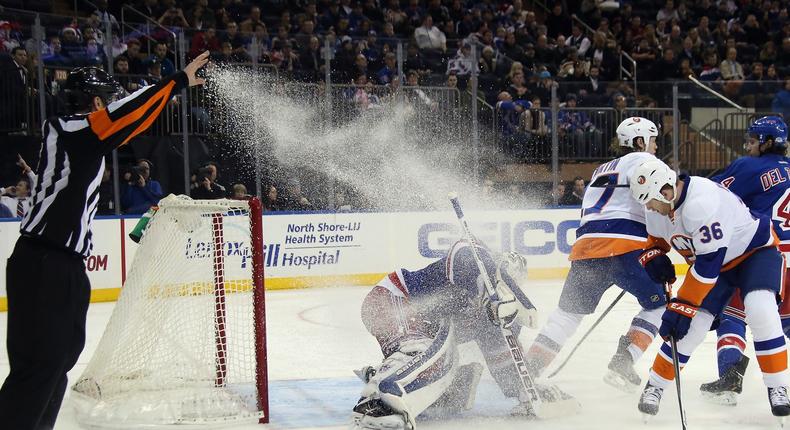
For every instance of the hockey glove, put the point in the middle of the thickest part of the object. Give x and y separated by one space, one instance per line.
658 266
507 309
676 319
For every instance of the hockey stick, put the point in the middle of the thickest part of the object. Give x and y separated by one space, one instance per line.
560 406
579 343
676 363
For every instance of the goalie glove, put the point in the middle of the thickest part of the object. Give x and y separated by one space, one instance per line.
510 305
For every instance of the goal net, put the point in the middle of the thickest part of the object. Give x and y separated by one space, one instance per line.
186 341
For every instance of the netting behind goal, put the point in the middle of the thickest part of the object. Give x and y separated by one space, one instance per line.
186 341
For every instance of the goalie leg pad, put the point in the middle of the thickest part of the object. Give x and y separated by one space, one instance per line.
415 376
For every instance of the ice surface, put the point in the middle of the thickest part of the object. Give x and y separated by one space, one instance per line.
316 338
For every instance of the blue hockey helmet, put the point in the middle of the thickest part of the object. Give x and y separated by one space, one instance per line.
769 126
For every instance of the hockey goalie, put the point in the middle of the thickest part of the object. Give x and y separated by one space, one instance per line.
419 319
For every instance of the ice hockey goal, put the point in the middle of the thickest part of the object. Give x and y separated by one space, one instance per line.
186 341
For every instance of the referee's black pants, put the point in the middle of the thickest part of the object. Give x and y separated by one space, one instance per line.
48 293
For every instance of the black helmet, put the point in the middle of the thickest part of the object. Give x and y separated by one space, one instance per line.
85 83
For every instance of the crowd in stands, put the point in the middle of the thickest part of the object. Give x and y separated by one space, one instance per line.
524 49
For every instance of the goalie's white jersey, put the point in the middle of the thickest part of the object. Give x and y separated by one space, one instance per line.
612 223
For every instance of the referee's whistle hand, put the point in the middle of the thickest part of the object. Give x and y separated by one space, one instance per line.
192 68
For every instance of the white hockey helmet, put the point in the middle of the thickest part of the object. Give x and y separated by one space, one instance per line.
634 127
649 178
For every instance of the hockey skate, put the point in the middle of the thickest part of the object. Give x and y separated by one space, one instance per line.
649 401
373 414
725 390
621 374
780 403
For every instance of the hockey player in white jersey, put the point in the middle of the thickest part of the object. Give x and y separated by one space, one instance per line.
420 317
607 251
727 247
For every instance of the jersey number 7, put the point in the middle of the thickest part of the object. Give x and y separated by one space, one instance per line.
609 186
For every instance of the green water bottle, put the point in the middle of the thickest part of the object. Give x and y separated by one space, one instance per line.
139 229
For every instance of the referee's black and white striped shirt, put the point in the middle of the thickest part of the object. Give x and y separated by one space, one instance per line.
71 164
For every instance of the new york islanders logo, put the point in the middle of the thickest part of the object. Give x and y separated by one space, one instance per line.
684 246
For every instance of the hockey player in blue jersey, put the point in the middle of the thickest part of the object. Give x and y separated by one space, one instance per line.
420 317
762 180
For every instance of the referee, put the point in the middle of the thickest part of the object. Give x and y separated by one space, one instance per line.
48 290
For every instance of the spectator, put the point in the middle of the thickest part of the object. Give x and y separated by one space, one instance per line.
543 87
558 195
237 40
558 22
690 53
488 62
517 87
254 19
592 91
730 68
533 123
55 56
154 71
389 72
578 40
140 192
577 193
710 67
9 39
203 41
668 12
270 203
310 61
137 64
240 192
206 188
293 198
664 69
160 55
104 14
510 47
781 103
363 96
508 113
429 37
13 89
578 131
17 197
756 89
173 17
767 53
463 62
416 96
129 83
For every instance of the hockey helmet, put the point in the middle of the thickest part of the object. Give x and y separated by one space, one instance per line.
769 126
87 82
634 127
649 178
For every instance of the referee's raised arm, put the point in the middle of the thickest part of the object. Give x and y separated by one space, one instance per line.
47 287
121 120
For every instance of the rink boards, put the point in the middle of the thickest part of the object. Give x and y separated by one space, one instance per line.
327 248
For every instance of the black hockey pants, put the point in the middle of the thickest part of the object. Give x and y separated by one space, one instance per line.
48 293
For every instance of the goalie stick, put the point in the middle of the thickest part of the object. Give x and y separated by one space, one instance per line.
560 407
